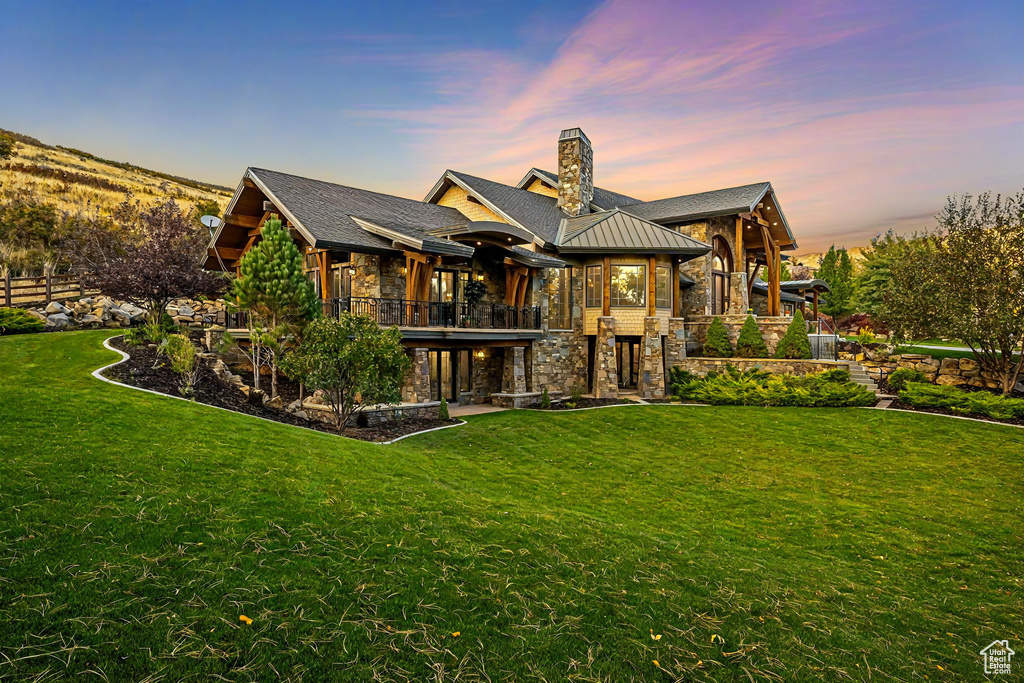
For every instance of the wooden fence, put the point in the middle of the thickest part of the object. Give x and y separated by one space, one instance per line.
29 291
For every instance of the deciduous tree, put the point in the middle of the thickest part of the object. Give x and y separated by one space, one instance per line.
353 361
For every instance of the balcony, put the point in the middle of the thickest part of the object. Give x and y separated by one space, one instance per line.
438 314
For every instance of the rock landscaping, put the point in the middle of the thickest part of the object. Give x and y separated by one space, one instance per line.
879 362
103 311
225 387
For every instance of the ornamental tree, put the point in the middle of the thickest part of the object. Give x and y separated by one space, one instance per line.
751 343
717 343
795 344
353 361
276 294
966 282
154 257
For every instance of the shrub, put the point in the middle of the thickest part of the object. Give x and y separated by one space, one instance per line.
182 354
759 388
899 379
984 403
717 344
865 336
353 361
17 321
751 343
545 400
442 410
795 343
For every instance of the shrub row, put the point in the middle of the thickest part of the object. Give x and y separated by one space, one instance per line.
794 345
832 388
982 403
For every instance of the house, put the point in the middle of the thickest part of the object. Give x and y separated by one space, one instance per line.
501 291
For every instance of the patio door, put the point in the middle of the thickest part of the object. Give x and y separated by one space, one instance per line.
451 374
627 355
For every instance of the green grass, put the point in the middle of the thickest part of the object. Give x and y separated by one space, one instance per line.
819 544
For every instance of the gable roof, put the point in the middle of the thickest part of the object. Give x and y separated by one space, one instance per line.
537 213
323 212
603 199
619 231
686 207
761 287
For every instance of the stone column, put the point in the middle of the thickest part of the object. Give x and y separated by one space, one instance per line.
416 388
513 379
675 342
606 369
738 301
652 361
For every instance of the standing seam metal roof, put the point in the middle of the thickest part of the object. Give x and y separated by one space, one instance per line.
617 230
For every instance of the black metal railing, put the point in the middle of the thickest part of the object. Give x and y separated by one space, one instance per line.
407 313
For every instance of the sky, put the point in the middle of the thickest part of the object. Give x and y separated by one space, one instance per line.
864 115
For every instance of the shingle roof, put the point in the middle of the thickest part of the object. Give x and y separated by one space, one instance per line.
605 199
532 258
801 285
761 287
619 231
536 212
703 204
324 210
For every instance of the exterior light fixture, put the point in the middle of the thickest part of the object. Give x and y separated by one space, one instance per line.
478 244
351 271
480 354
509 239
775 223
480 277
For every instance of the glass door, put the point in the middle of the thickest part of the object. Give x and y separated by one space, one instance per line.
627 354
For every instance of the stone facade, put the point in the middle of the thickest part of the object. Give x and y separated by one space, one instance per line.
513 379
675 341
366 278
606 375
575 175
652 361
773 329
702 366
488 367
392 279
416 388
559 358
696 299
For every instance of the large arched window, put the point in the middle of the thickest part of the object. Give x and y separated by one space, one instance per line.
721 270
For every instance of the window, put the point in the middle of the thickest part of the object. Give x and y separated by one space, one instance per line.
628 285
595 287
560 301
341 281
465 370
663 287
721 267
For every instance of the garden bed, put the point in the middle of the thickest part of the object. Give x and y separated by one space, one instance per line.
147 369
581 404
973 402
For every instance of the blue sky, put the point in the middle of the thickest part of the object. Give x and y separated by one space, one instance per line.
863 115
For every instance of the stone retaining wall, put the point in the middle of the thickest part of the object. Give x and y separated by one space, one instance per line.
776 366
945 371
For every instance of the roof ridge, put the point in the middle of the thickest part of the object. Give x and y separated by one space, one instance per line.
347 187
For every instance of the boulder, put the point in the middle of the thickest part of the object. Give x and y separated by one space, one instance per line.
56 307
186 311
275 402
35 313
82 308
949 366
950 380
923 367
968 364
59 321
121 316
91 320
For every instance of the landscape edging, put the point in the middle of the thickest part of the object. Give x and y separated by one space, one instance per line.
98 374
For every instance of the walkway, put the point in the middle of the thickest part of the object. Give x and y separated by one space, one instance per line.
473 409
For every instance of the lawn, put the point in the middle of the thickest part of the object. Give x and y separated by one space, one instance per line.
651 543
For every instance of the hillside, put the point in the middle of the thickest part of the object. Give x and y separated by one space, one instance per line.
73 180
813 260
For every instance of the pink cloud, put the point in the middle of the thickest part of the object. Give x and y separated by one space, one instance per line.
680 99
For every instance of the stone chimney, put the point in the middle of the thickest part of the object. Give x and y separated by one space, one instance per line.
575 172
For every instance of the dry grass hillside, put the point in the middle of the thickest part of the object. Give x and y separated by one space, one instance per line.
76 181
813 261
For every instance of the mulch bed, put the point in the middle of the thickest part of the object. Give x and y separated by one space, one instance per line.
582 403
146 369
896 403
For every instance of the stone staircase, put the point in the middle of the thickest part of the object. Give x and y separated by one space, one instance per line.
860 376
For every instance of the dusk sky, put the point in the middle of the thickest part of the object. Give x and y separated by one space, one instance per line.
864 115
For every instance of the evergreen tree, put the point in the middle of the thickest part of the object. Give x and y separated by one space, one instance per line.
795 343
717 344
275 292
870 284
837 270
751 343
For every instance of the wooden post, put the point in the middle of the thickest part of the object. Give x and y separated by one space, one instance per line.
740 258
81 287
652 285
606 299
677 292
7 288
49 286
815 306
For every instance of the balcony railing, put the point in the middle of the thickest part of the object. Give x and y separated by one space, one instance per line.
406 313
